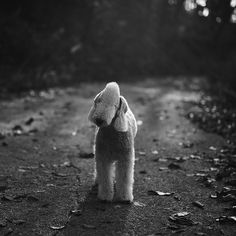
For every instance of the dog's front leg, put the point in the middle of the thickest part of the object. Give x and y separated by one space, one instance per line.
105 179
124 180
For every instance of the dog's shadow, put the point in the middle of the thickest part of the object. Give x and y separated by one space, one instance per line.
99 218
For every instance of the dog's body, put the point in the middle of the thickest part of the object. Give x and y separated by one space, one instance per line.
114 146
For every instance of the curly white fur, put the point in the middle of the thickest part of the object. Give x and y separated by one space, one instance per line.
114 144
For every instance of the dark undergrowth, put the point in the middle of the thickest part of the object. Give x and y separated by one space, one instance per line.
57 43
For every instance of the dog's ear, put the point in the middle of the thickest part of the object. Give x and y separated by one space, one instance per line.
121 123
97 97
123 105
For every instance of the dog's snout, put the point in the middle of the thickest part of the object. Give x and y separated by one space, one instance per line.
98 121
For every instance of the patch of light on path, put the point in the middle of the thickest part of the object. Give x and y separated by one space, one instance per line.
183 96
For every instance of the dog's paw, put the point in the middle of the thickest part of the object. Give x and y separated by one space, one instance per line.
124 198
105 196
117 200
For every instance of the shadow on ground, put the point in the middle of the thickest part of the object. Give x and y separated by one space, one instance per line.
99 218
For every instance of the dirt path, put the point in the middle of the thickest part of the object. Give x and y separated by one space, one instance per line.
46 166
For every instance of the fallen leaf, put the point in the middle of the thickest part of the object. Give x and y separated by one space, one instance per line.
142 153
33 131
182 213
195 157
163 168
85 155
174 227
87 226
139 204
178 231
65 164
182 218
7 198
190 175
155 152
198 204
206 180
29 121
22 170
57 227
181 159
58 174
233 209
212 148
50 185
187 144
176 197
4 144
201 174
17 221
226 219
228 198
213 169
20 197
17 130
159 193
76 212
32 199
174 166
213 196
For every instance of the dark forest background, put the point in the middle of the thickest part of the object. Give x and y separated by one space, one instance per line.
50 42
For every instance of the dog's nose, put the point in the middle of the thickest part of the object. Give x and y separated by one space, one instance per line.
98 121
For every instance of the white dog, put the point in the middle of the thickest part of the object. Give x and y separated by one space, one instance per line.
114 144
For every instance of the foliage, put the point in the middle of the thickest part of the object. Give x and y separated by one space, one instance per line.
45 43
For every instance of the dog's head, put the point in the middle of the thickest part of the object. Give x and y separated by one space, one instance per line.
105 105
109 108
